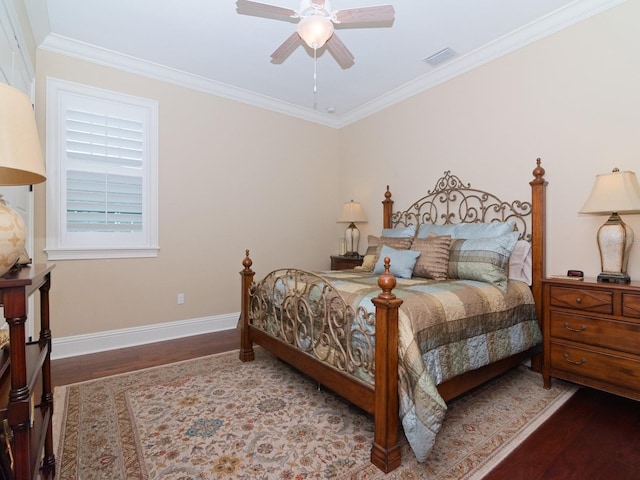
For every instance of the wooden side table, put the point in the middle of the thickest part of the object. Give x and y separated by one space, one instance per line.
592 334
342 262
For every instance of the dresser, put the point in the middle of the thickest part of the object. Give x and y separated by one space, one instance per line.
26 396
592 334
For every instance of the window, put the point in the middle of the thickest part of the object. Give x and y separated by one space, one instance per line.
101 173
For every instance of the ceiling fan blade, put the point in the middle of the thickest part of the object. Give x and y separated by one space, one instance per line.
246 7
381 13
339 51
286 49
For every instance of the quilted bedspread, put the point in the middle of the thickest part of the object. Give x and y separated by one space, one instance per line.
445 329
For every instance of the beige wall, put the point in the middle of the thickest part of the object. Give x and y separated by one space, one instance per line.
572 99
234 176
231 177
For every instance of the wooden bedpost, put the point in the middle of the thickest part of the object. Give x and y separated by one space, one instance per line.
385 453
387 209
246 346
538 233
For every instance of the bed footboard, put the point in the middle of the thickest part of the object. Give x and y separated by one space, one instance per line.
335 344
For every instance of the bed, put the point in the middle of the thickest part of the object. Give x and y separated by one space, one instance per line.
377 340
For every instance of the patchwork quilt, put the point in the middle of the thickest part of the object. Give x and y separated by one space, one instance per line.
445 329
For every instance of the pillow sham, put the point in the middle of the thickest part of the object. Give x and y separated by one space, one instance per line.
434 256
467 230
482 259
402 261
483 230
409 231
520 263
427 229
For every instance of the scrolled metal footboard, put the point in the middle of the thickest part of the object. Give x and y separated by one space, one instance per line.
303 309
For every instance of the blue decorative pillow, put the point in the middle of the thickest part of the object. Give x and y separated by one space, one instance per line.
482 259
467 230
402 262
427 229
403 232
483 230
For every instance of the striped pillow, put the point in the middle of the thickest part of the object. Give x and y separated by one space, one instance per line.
433 261
482 259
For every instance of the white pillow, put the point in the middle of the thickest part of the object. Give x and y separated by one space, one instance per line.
520 264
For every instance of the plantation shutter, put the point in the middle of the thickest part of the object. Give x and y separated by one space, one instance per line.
104 183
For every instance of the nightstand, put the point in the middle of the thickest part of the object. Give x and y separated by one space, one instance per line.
341 262
592 334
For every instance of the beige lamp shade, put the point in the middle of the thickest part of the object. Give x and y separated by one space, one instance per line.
315 30
614 192
21 163
21 160
352 213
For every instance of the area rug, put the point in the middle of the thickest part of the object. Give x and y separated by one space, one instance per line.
218 418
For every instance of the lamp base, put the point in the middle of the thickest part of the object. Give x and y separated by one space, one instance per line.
614 277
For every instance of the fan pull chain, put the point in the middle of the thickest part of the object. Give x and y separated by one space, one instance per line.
315 78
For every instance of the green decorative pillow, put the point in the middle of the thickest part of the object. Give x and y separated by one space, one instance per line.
482 259
402 262
434 256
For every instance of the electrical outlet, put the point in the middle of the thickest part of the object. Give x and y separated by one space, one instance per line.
180 298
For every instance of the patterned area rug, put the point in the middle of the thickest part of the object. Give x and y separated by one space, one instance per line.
216 417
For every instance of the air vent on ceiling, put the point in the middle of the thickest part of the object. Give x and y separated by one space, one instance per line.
441 56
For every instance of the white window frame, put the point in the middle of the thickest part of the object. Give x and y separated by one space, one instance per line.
62 244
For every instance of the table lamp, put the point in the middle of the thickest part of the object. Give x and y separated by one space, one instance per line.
352 213
614 193
21 163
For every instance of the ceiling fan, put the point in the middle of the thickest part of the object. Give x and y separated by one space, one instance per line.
316 25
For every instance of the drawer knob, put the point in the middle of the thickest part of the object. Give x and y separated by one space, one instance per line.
577 330
578 300
579 362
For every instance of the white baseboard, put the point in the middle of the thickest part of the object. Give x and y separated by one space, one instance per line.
130 337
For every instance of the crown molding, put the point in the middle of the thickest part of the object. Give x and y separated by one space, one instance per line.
554 22
567 16
108 58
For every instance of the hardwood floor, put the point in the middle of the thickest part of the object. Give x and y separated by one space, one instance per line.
593 436
87 367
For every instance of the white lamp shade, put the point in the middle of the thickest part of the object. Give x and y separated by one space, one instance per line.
614 192
315 30
351 213
21 160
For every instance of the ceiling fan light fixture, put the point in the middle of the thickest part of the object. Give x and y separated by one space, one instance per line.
315 30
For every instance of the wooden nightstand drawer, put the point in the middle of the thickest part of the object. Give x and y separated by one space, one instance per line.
622 336
342 262
631 305
582 299
605 367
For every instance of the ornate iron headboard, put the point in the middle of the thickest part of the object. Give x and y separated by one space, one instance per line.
452 201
